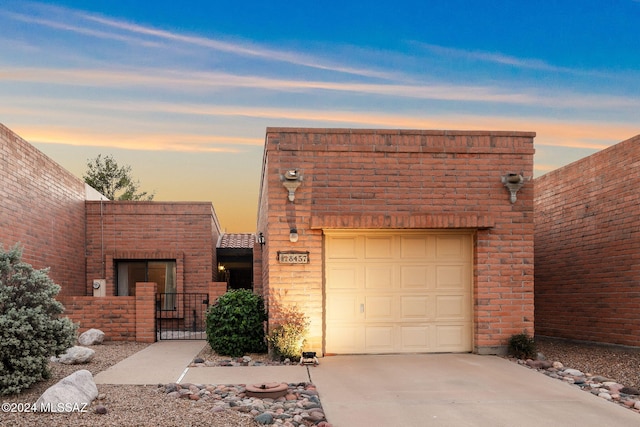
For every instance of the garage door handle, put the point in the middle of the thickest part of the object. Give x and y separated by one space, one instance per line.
361 308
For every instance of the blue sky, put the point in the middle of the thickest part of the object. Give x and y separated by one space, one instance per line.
183 91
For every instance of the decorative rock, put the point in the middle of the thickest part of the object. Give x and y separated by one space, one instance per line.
573 372
246 359
558 365
77 390
75 355
100 409
605 395
264 418
614 387
198 360
91 337
600 379
629 390
636 405
539 364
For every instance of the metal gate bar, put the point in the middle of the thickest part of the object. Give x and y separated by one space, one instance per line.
181 316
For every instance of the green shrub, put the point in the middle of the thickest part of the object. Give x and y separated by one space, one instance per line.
288 336
235 324
522 346
30 329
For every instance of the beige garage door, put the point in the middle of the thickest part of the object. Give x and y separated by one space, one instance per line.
397 292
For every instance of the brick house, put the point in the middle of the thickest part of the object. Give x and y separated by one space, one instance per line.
129 250
390 240
399 240
587 248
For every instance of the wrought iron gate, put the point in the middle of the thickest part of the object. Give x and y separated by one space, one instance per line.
181 316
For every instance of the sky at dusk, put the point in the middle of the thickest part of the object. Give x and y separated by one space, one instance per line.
183 91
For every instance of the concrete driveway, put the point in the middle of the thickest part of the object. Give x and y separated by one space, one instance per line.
454 390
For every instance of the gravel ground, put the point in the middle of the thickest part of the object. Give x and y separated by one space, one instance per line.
619 363
147 405
126 405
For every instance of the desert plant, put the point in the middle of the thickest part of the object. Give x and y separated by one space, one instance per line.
522 346
31 330
288 336
235 324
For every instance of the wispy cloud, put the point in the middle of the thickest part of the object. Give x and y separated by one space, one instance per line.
503 59
182 142
494 57
569 134
200 81
135 34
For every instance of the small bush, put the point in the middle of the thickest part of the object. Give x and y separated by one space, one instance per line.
30 329
522 346
288 336
235 324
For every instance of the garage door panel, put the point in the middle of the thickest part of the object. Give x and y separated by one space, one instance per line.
414 307
343 278
451 247
451 307
451 277
347 339
419 247
455 337
379 277
343 248
415 276
378 247
379 339
342 309
379 308
414 338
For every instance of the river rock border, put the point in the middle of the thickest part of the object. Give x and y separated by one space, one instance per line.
300 407
600 386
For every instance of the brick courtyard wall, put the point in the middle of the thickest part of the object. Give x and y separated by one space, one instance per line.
42 209
184 231
115 316
403 179
587 248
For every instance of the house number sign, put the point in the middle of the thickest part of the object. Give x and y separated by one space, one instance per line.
293 257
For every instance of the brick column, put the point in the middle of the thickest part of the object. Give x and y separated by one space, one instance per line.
216 289
146 311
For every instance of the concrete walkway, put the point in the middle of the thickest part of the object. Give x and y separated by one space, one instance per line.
168 361
445 390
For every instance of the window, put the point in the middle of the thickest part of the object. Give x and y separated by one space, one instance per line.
130 272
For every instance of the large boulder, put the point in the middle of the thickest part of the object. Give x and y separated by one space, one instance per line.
91 337
71 394
75 355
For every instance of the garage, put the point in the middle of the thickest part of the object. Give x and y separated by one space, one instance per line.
398 291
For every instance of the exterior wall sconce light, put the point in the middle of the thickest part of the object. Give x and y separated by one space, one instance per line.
261 240
291 180
513 182
293 235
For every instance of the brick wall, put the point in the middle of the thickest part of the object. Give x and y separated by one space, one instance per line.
385 179
120 318
42 208
587 248
184 231
115 316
